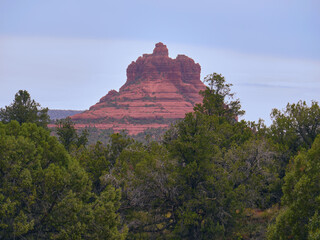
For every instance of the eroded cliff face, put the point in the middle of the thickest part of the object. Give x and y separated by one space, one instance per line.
158 90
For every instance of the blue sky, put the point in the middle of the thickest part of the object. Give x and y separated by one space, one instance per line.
69 53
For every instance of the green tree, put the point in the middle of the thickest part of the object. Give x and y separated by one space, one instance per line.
299 217
293 129
146 176
24 109
209 193
46 194
217 99
68 135
94 159
251 167
296 126
98 160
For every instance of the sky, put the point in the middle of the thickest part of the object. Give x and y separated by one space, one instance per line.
69 53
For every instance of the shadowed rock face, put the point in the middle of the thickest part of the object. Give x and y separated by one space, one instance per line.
158 91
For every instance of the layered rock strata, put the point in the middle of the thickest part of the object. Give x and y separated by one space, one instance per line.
158 90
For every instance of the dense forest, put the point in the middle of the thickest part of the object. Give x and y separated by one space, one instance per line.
210 176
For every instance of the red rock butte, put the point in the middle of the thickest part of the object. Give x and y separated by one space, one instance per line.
158 91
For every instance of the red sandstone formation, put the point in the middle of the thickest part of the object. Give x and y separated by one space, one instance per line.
158 90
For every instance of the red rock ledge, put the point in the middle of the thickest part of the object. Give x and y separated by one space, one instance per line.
158 90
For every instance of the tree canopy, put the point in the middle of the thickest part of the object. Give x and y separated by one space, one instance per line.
46 194
210 176
300 218
296 126
24 109
218 99
68 135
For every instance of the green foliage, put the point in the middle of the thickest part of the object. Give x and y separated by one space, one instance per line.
94 160
24 109
294 128
297 126
299 218
98 135
222 166
146 177
218 99
45 194
68 135
252 168
221 169
210 177
314 227
118 144
98 160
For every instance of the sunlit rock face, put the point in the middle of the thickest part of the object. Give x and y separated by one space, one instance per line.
158 90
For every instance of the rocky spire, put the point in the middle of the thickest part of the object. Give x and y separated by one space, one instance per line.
158 91
160 50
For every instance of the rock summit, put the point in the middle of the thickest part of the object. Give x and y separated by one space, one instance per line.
158 91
